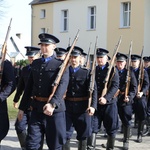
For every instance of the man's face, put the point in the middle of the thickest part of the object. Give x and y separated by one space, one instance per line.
120 64
146 64
75 61
102 60
62 57
31 58
82 60
135 63
47 49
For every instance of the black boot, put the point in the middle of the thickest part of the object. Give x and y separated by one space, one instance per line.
82 145
121 129
135 122
67 145
91 142
140 131
41 143
22 139
110 143
126 138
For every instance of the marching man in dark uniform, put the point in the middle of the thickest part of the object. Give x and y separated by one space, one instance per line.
140 101
107 111
61 53
125 103
78 114
47 115
83 59
147 68
7 86
20 126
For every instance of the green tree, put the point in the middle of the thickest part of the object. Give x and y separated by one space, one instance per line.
22 62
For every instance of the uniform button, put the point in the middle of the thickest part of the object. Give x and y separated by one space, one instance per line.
39 86
40 73
42 67
39 79
39 93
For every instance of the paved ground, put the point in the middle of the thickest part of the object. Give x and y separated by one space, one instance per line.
11 141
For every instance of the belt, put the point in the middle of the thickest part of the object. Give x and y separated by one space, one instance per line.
41 99
76 99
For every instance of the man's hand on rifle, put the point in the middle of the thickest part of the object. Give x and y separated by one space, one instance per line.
16 105
102 101
48 109
126 99
91 111
139 94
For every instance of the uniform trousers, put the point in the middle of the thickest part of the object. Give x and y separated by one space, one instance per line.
4 125
108 114
21 126
81 123
53 127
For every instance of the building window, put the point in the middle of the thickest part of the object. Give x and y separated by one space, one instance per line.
42 30
125 14
43 13
92 18
64 24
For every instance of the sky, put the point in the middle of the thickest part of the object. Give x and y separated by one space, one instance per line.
20 12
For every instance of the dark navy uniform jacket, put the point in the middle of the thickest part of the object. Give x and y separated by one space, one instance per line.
40 82
145 85
78 87
100 80
7 85
122 86
23 79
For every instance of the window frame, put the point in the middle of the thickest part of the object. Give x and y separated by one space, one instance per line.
64 20
91 18
125 15
42 14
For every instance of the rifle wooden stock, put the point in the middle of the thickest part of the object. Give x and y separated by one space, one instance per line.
110 67
92 76
141 72
4 50
63 68
88 58
128 77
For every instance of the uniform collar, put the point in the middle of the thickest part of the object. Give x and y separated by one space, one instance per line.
73 70
135 69
47 59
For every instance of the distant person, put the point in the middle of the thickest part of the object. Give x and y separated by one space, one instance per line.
61 53
17 70
20 126
140 100
83 59
6 88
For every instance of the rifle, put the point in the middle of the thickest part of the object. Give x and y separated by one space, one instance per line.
110 67
141 72
92 76
128 77
62 68
87 65
4 50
